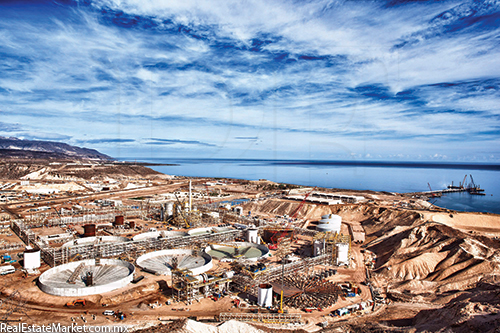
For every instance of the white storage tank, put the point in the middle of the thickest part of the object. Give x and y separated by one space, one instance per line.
170 209
329 223
265 297
253 236
238 210
31 258
342 254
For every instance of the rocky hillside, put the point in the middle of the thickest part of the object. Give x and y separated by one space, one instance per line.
430 260
43 170
17 148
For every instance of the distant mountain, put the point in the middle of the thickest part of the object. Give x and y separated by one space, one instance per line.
17 148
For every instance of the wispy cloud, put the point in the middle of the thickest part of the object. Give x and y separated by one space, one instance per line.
155 141
271 77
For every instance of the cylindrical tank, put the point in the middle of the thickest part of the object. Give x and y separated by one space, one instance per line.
89 230
265 296
330 223
170 209
238 210
119 220
131 224
31 258
228 274
342 254
318 248
253 236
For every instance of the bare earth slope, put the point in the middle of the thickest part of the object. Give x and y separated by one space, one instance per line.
446 268
70 171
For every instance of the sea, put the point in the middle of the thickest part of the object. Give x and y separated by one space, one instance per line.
398 177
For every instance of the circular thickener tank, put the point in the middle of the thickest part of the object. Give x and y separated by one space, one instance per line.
82 278
160 262
265 296
31 259
159 235
119 220
89 230
96 240
245 250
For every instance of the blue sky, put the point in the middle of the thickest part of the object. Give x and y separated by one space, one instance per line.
368 80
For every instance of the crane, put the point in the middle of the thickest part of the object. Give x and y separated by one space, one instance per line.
434 195
275 238
463 182
472 185
294 215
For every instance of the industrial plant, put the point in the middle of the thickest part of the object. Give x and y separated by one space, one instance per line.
140 250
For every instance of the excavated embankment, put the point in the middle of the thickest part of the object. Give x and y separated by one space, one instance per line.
376 220
421 261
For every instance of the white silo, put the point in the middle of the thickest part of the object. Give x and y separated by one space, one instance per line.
253 236
342 254
31 258
265 297
170 209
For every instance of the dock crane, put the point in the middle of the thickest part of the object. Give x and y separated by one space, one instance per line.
472 185
462 186
433 194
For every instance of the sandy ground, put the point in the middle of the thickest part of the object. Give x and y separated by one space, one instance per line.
475 222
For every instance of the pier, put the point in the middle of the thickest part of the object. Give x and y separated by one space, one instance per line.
471 187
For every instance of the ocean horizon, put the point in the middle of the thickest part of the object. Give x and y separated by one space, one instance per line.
388 176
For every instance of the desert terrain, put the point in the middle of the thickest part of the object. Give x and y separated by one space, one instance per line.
433 270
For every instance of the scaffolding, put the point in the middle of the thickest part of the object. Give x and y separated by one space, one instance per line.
330 240
130 249
187 287
248 283
268 318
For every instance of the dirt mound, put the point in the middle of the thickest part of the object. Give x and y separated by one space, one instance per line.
433 259
376 220
193 326
474 310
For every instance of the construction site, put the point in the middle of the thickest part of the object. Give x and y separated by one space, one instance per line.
172 250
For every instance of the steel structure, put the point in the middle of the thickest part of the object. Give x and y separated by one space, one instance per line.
267 318
187 287
248 283
131 249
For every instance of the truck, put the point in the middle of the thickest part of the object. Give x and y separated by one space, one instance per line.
75 302
7 269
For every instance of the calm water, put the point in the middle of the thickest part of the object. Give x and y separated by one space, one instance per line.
378 176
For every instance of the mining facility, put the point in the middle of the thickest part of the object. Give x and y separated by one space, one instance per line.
273 269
